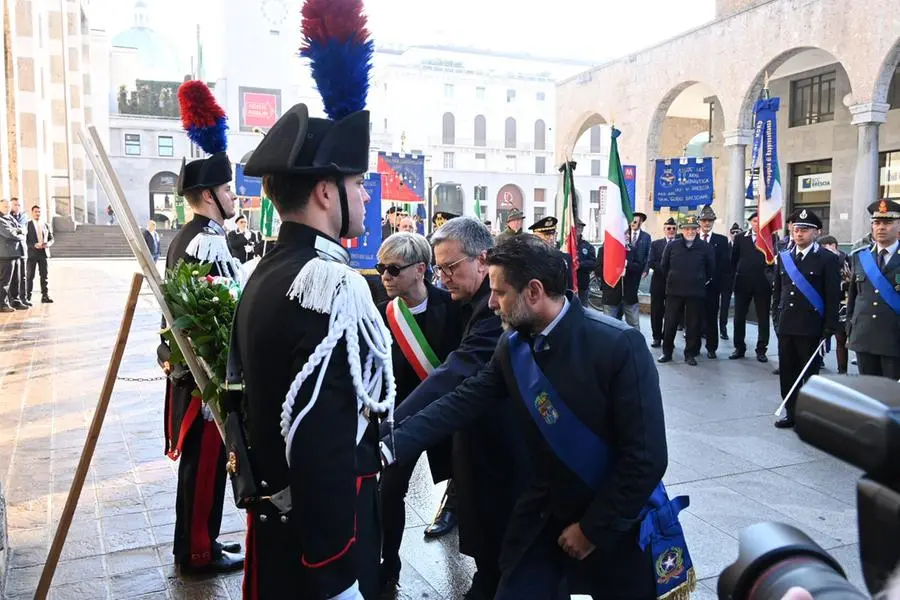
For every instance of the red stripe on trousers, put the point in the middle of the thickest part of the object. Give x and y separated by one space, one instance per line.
251 583
207 465
190 415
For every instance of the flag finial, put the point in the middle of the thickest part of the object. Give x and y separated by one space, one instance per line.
766 81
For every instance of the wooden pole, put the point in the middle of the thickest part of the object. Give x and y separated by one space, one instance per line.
90 443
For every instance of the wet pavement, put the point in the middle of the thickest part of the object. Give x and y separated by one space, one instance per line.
723 452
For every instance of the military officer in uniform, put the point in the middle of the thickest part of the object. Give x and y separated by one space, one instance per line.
547 231
873 304
752 283
718 244
658 281
191 434
513 225
587 262
806 303
728 284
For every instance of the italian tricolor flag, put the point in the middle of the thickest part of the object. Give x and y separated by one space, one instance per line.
568 229
615 218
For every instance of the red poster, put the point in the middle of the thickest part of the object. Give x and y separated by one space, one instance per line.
259 110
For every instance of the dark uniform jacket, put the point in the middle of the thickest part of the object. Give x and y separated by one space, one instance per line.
687 270
587 261
794 314
616 395
238 242
568 260
638 256
609 295
872 326
488 456
441 324
751 273
325 460
721 251
506 234
658 278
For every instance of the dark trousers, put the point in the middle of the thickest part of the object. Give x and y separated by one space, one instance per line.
725 304
657 313
692 309
6 273
876 364
545 572
763 301
793 354
39 262
840 350
394 485
17 283
711 321
201 492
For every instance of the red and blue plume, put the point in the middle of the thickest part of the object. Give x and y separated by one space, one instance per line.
336 42
202 118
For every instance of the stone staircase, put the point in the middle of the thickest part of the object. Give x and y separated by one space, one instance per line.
97 241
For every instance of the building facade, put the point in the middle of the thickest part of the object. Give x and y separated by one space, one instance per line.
838 126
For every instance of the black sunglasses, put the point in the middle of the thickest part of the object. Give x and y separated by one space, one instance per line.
393 270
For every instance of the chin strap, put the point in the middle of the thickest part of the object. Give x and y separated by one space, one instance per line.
345 207
215 198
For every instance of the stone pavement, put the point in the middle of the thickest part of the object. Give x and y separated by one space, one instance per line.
723 452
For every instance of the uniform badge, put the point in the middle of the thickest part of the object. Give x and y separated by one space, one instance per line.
803 214
545 408
584 250
883 207
670 565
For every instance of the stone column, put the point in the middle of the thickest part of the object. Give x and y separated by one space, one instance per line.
736 142
867 117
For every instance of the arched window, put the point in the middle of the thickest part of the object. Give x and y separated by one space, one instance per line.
510 133
449 129
480 131
540 135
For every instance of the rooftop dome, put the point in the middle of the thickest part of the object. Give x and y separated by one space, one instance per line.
157 58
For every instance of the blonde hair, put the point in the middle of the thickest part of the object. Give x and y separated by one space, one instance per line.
409 247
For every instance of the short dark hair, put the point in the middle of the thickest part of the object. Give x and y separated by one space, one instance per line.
240 217
38 206
526 257
194 197
290 192
828 239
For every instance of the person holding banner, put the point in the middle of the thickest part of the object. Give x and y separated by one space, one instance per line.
595 518
426 327
752 283
806 301
873 303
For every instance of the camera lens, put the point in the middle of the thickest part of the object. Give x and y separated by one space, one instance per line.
773 558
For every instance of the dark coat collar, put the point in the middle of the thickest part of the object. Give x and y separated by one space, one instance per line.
298 235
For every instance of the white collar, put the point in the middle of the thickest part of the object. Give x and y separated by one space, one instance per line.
892 249
814 247
329 250
555 322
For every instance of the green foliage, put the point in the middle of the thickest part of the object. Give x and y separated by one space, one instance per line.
203 308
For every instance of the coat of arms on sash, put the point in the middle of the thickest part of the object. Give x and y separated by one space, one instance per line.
670 565
545 408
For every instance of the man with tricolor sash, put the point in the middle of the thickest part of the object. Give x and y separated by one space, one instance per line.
594 518
806 302
426 326
873 303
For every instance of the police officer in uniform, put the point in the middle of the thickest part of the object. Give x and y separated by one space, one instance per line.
806 298
873 304
658 281
547 231
514 220
191 434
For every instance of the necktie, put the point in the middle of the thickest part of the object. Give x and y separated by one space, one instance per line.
706 237
540 343
882 259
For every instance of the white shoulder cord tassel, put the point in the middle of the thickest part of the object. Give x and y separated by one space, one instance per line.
335 289
213 248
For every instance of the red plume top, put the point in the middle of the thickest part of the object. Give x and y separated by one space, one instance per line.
338 20
198 105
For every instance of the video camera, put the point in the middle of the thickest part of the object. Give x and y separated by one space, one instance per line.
858 421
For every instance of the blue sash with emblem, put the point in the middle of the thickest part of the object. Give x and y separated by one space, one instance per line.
881 283
805 287
588 456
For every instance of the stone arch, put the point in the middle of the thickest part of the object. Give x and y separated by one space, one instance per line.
583 124
509 196
886 73
657 121
162 198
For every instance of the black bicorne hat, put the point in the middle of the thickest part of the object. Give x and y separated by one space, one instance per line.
204 173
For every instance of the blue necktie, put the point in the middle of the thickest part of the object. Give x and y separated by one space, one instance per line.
540 343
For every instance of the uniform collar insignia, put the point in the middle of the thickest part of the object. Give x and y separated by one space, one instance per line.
330 250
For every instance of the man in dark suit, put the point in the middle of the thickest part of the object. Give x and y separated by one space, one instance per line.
752 283
587 262
11 239
575 528
873 303
18 289
688 265
658 281
38 239
721 273
728 284
151 238
807 296
637 258
426 327
489 462
243 243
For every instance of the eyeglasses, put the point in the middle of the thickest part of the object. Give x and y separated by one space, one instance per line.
447 270
670 228
393 270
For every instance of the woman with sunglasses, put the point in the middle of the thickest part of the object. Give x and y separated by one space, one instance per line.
426 326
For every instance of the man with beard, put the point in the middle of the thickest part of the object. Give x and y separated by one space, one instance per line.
658 281
426 327
718 245
489 460
586 523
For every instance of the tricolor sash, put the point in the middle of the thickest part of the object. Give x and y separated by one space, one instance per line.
881 283
805 287
410 338
588 456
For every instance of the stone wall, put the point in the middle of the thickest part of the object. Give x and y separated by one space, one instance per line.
727 7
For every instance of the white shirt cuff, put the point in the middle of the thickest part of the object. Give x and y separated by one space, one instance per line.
387 457
351 593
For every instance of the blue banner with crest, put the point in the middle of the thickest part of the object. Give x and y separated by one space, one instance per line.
765 140
364 249
683 182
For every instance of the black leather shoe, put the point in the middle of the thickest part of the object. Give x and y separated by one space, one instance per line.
656 344
27 303
724 335
7 309
664 358
443 524
231 547
18 305
691 361
784 423
388 578
737 354
761 357
46 300
225 563
711 354
777 371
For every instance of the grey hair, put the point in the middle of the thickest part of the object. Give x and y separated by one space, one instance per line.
409 247
469 231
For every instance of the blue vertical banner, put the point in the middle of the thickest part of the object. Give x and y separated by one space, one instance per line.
630 174
364 249
683 182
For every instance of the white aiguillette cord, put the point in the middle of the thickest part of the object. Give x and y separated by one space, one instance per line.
337 290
